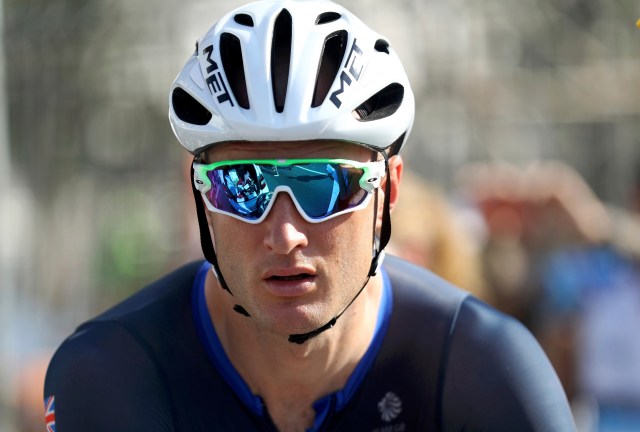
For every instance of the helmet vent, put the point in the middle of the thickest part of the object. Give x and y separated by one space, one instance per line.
382 104
280 58
243 19
327 17
231 56
382 46
188 109
333 51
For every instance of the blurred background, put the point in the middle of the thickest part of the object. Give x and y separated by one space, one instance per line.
523 183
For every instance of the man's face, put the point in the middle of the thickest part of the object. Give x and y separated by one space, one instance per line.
291 275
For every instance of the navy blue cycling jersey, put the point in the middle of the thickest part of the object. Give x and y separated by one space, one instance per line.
440 361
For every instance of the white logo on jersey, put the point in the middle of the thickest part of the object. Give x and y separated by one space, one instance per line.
390 406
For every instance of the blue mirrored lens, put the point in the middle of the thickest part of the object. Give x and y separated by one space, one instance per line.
321 189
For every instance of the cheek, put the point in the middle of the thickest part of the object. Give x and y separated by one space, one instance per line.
226 228
353 254
233 240
352 238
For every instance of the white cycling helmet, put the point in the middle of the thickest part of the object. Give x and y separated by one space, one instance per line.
291 70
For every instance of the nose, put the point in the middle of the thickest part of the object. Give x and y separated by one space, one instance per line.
286 229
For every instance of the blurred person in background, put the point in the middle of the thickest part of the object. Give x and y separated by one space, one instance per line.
529 212
562 262
294 321
429 231
599 284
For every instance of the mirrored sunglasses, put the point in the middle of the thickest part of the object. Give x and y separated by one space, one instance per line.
320 188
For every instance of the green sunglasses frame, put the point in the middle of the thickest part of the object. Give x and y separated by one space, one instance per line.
373 172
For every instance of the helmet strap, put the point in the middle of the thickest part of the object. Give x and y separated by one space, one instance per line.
207 244
385 230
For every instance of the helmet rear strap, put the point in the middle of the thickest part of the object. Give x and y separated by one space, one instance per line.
385 230
205 237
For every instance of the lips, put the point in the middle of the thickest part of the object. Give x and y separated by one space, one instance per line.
285 273
291 278
290 282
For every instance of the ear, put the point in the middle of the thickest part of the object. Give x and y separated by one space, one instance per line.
396 165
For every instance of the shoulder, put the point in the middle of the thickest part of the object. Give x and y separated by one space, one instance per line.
471 324
102 378
496 376
419 291
107 375
485 370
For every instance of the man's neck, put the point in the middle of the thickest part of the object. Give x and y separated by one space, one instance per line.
290 377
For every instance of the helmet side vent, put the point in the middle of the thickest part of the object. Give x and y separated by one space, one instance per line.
327 17
231 56
280 58
243 19
382 46
188 109
333 51
382 104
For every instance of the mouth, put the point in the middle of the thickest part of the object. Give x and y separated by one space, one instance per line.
296 277
290 283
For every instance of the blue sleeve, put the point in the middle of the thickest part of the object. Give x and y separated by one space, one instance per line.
103 379
498 378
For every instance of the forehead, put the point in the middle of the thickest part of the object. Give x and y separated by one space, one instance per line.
287 150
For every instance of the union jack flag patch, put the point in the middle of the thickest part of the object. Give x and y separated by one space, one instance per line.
50 413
